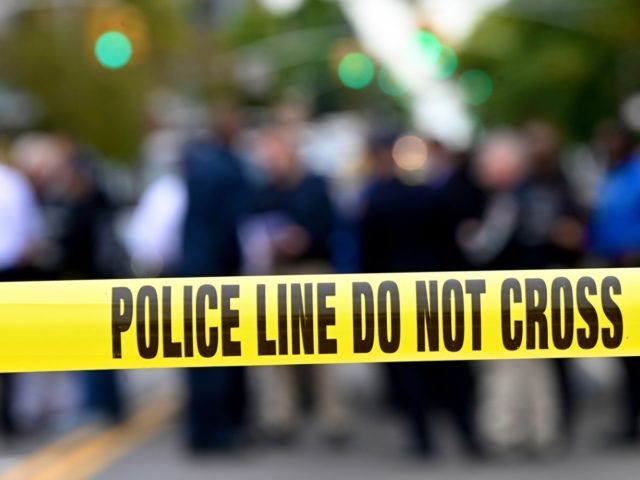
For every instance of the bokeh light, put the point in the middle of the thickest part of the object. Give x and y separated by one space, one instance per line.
113 50
389 85
447 63
410 153
356 70
426 47
281 7
476 86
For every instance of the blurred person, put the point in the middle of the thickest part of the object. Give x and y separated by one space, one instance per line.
82 244
551 232
91 250
550 228
394 201
615 238
217 199
517 411
39 398
423 213
154 230
500 167
295 213
78 213
153 233
21 227
90 247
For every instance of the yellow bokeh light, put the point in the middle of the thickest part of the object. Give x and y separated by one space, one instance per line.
410 153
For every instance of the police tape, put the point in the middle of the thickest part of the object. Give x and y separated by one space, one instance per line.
317 319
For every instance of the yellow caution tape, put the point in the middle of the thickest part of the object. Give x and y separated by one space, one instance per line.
116 324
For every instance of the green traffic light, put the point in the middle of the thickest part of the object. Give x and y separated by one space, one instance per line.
356 70
426 47
113 50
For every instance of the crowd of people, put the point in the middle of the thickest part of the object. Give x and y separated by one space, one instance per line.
228 203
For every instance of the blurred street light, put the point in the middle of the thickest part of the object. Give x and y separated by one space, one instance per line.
426 48
116 34
356 70
410 153
436 107
113 50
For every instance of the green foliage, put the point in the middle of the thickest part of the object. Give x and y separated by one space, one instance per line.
298 46
49 54
570 62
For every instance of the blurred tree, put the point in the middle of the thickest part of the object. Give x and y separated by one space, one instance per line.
49 53
193 47
273 56
287 52
570 62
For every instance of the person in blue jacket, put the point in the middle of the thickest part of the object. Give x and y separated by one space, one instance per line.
615 238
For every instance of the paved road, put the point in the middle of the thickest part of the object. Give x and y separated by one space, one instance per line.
149 445
376 453
158 460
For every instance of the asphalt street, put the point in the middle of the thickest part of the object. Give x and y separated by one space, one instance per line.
149 445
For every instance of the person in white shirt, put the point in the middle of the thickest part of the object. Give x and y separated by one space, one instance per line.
20 221
20 233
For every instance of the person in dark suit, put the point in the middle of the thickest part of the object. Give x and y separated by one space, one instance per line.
297 212
217 193
409 224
